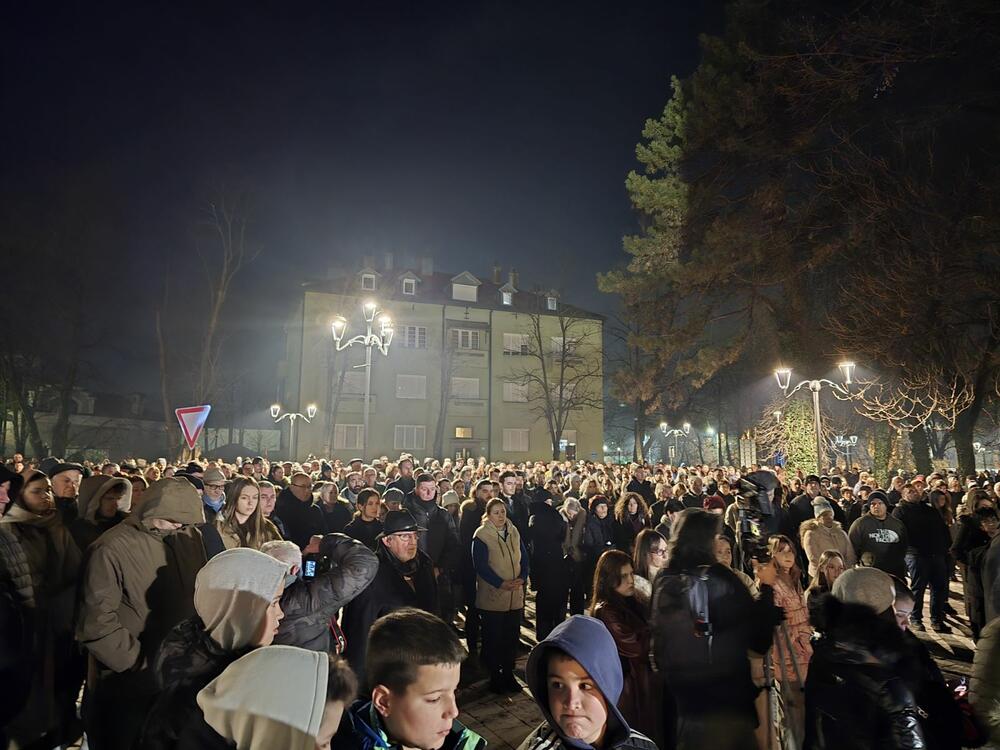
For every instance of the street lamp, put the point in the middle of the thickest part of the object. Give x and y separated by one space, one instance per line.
784 377
846 442
980 449
369 340
291 417
667 432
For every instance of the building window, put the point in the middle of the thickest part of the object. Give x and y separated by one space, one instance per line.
507 298
354 383
411 386
560 346
368 282
569 436
464 292
409 286
462 338
515 343
413 337
550 303
409 437
349 436
515 440
516 393
465 387
463 433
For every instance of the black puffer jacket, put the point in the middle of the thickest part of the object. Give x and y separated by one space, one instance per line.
309 604
856 696
598 536
546 533
187 661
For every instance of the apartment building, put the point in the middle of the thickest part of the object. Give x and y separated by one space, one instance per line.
475 367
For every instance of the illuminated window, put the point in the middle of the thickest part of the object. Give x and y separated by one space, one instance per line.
507 298
463 433
550 303
409 286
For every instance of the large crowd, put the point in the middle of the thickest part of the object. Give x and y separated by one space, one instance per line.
338 603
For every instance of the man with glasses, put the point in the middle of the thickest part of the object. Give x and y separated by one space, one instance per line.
405 578
301 517
214 495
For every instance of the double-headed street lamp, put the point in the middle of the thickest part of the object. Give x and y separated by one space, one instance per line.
667 432
980 449
291 416
846 442
784 378
369 340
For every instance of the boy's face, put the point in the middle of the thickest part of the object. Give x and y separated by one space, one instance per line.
575 701
422 716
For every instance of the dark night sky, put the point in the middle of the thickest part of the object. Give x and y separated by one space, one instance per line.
466 131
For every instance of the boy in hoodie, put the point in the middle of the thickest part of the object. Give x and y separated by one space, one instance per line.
575 677
412 666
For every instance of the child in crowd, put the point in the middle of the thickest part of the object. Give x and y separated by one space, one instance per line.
412 667
575 676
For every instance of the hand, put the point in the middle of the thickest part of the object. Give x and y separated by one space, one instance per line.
313 547
766 574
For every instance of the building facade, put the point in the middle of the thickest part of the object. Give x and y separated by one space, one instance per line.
475 368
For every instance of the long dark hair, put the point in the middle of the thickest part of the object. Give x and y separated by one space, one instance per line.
644 541
692 539
608 576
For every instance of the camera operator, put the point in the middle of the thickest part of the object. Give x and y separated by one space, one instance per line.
704 624
340 569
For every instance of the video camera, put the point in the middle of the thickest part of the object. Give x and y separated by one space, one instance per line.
314 564
755 510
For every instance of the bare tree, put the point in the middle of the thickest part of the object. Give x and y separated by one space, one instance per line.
561 373
635 379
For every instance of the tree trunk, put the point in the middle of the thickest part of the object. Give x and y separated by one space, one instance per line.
173 444
639 424
963 435
881 452
921 450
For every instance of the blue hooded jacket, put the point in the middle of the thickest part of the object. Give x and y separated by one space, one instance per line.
588 641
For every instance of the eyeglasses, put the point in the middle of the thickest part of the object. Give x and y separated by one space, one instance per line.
216 486
658 552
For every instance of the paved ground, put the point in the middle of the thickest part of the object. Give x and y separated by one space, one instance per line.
504 721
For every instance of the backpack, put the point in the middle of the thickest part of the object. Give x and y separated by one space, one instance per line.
683 628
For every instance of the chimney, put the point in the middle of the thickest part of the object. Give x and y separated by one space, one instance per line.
367 262
388 261
427 266
497 274
513 277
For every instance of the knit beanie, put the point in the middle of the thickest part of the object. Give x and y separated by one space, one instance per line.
869 586
450 498
820 507
232 593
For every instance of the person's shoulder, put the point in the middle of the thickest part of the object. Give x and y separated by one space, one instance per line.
636 741
543 737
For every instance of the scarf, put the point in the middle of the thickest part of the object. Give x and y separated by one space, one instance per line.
405 569
215 505
17 513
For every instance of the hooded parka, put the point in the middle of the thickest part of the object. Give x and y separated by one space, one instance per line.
138 584
88 526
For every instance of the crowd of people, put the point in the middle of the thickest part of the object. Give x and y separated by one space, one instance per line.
323 603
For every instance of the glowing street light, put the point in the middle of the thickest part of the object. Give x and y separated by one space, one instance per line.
292 417
370 340
667 432
784 377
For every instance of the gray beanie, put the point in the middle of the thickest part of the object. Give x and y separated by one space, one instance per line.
820 507
869 586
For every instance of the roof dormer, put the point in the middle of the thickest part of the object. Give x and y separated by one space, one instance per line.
408 284
551 300
368 279
507 294
465 287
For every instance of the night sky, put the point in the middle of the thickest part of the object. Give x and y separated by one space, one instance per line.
470 132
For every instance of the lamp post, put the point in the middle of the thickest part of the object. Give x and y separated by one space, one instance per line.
784 377
846 442
291 416
979 450
718 443
370 341
667 432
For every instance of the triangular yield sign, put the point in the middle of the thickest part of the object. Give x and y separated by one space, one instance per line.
192 419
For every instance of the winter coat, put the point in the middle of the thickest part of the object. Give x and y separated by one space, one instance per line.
588 641
926 532
499 555
15 651
799 632
708 678
984 687
546 534
855 698
626 529
572 545
139 581
440 541
880 544
598 537
518 511
301 520
88 526
968 534
643 488
53 565
362 729
990 576
338 514
627 623
817 539
388 592
365 532
310 603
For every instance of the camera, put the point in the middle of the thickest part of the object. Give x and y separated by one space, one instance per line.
756 511
314 564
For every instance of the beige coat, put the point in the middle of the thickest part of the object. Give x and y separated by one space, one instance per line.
817 539
505 561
